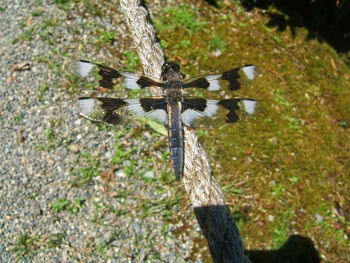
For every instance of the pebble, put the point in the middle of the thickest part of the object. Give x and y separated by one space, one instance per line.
74 148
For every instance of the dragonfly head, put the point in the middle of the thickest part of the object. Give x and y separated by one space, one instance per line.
171 72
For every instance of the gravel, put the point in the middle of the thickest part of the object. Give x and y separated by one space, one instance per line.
48 212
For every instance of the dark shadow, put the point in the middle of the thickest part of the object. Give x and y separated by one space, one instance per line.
212 2
297 249
326 20
225 244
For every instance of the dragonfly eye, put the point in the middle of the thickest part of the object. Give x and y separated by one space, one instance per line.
170 66
165 66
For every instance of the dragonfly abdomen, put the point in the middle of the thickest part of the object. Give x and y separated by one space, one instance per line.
176 138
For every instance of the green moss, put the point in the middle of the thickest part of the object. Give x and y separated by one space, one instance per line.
182 18
61 204
288 152
29 244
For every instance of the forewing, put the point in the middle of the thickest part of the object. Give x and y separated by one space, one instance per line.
109 77
116 111
229 80
197 111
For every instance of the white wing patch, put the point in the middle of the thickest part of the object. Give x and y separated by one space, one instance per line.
250 71
249 106
189 115
84 68
214 83
135 107
130 80
86 106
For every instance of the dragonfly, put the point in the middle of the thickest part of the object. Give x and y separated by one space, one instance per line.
173 108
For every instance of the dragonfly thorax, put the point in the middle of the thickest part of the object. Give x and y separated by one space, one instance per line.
174 94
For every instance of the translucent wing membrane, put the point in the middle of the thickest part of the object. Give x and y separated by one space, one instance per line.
230 80
196 108
197 111
116 111
109 77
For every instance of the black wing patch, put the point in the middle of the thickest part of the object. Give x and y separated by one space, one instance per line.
115 111
145 82
233 77
109 77
229 110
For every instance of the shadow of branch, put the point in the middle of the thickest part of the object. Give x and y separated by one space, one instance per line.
296 249
225 242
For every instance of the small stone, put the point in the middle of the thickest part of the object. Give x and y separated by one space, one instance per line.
121 173
271 218
74 148
137 228
319 218
149 174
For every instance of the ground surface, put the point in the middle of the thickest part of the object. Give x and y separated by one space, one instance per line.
73 191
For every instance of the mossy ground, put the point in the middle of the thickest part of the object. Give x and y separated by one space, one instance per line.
286 171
